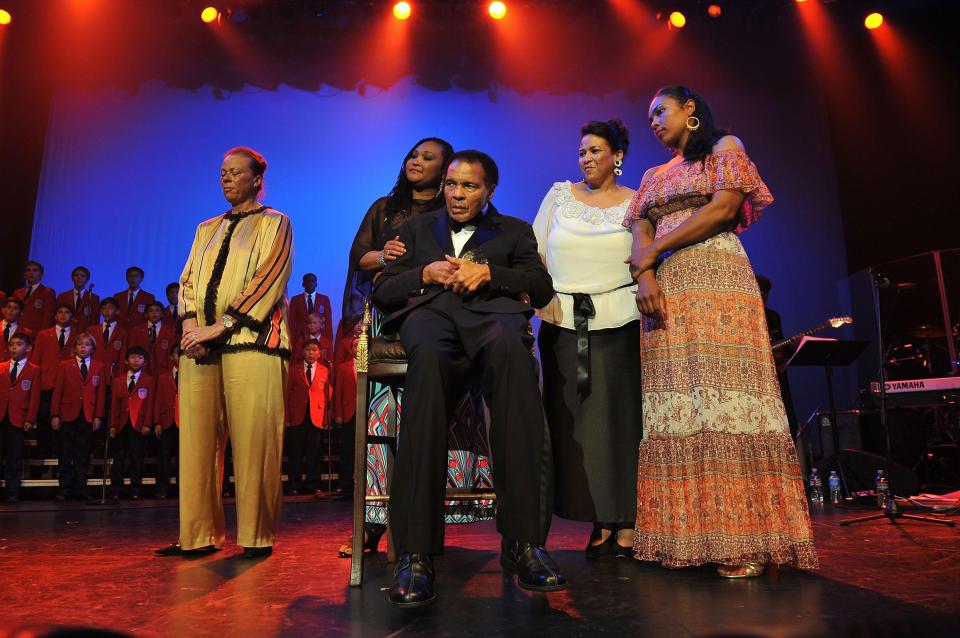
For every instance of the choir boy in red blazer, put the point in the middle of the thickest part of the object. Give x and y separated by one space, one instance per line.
313 330
77 411
85 304
111 338
132 302
308 398
155 336
171 311
166 418
39 302
19 406
307 303
345 401
10 324
131 421
52 346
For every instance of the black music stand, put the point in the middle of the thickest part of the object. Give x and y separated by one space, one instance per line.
830 353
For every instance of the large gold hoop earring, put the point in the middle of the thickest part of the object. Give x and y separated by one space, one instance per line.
695 125
617 163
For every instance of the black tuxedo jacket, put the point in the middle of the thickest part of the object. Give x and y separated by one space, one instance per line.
506 244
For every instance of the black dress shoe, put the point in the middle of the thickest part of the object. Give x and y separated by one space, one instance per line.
256 552
413 581
60 497
175 550
533 566
11 500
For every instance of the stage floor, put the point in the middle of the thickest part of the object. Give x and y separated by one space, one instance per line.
93 566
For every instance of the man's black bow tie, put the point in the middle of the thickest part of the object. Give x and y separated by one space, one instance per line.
456 227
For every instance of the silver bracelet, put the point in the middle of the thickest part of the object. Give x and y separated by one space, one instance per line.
382 259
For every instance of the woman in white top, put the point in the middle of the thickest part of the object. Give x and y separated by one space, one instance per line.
590 343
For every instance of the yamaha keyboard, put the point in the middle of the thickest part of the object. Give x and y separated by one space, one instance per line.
920 392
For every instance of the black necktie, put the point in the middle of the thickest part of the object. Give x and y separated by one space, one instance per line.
63 338
83 369
130 303
106 334
309 374
76 305
29 291
6 332
153 333
132 384
309 304
13 372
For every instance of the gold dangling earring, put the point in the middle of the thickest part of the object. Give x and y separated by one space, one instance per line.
695 126
617 163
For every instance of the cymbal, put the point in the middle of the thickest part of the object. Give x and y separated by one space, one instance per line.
926 331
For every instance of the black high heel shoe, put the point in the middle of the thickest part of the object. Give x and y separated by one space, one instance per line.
606 547
620 551
372 533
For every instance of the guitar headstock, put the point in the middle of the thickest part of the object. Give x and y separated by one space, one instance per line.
836 322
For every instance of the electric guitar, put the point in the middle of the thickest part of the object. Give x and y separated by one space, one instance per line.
833 322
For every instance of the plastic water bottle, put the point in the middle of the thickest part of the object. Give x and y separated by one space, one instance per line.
833 481
883 489
816 487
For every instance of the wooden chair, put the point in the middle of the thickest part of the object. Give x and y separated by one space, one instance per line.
381 359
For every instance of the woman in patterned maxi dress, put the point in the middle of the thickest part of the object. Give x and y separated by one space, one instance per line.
718 477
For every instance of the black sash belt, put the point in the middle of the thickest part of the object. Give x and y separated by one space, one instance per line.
583 310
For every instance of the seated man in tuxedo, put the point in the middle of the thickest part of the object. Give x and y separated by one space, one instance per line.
455 295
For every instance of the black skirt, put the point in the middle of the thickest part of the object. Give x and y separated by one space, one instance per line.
595 437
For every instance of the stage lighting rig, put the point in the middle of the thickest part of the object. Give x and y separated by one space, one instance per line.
497 10
402 10
209 14
873 21
5 17
678 20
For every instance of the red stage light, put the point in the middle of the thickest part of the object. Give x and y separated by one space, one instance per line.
873 21
401 10
209 14
497 10
5 17
714 11
677 19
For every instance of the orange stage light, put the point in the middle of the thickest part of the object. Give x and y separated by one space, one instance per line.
497 10
209 14
677 19
401 10
873 21
5 17
714 10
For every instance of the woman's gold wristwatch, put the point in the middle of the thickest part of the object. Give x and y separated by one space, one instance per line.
228 322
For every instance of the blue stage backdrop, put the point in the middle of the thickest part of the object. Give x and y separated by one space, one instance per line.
126 178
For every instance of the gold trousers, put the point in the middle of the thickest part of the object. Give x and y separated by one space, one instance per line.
241 397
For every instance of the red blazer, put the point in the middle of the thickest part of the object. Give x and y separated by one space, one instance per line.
139 335
345 377
20 402
137 405
89 311
300 395
39 309
130 317
112 355
48 354
73 397
297 314
166 407
4 355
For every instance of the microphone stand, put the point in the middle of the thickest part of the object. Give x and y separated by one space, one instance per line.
891 510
